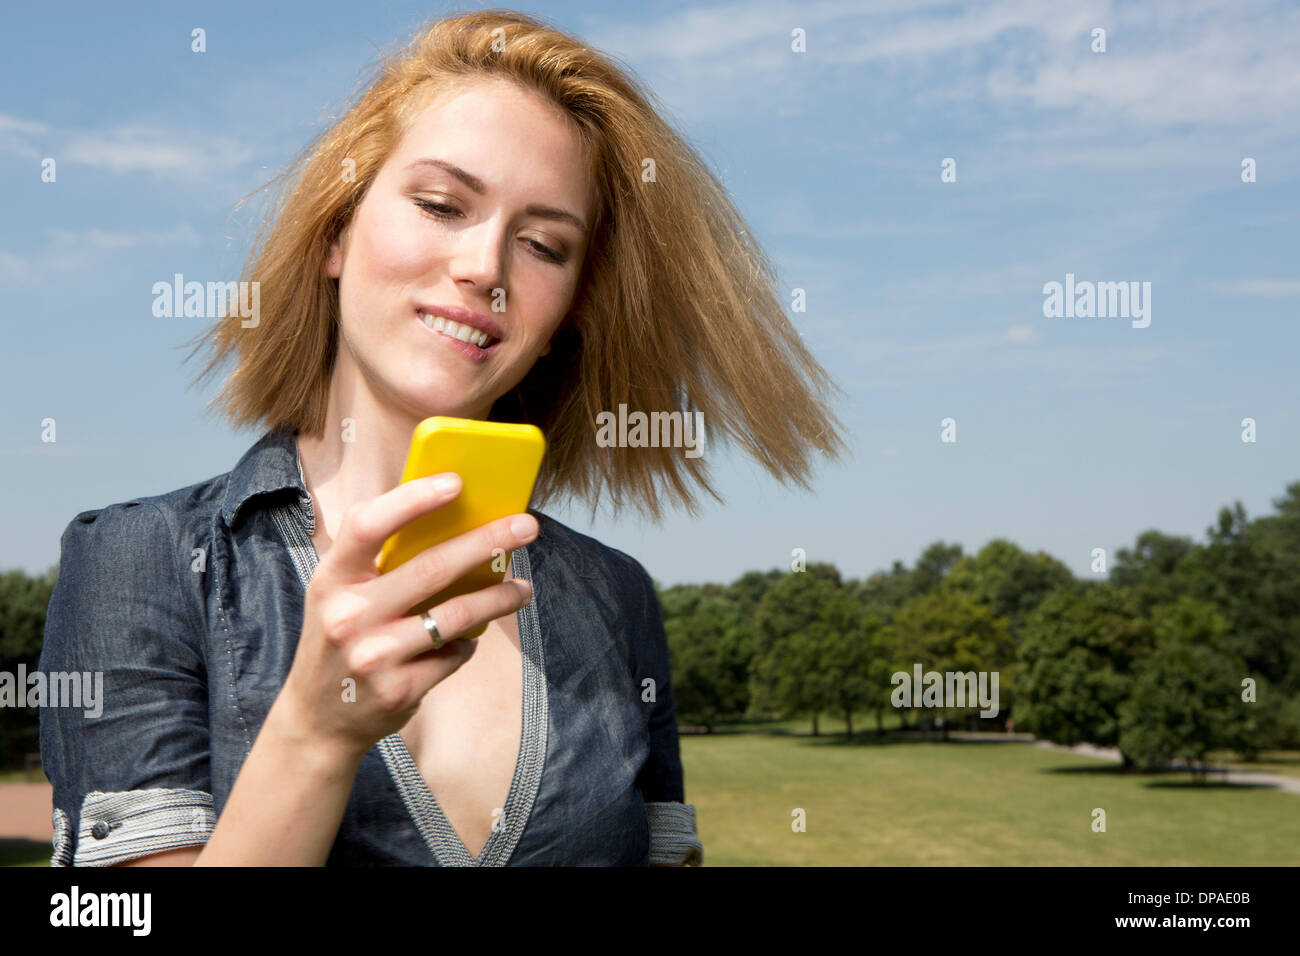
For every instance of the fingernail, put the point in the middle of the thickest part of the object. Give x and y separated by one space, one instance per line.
446 483
522 525
524 586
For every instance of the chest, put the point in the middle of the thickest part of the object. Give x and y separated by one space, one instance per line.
551 702
464 739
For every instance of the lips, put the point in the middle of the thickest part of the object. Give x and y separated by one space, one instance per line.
465 317
462 338
461 333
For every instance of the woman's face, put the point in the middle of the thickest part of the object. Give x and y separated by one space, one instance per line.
479 216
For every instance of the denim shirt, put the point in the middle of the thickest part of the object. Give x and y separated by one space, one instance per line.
190 604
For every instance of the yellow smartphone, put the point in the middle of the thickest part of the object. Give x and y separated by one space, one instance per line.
498 464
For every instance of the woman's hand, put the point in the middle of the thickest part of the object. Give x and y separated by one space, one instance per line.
356 623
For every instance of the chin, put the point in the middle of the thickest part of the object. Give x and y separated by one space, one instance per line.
434 400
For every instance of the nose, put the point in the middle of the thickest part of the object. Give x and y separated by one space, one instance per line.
479 256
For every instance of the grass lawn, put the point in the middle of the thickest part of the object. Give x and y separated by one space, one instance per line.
968 803
1286 762
890 803
17 776
24 856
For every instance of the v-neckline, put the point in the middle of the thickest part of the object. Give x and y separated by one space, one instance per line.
295 522
438 833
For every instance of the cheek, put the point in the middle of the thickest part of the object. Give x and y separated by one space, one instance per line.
391 246
548 303
551 291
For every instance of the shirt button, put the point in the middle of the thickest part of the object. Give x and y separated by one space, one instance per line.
99 830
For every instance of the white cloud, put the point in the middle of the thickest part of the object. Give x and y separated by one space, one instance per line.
1260 288
183 233
74 251
1168 62
1117 355
173 153
14 269
1000 281
1023 334
170 153
944 34
16 134
731 32
41 270
1222 76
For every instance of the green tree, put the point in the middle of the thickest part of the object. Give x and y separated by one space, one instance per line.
883 593
710 651
878 639
748 589
1078 651
789 639
1185 700
23 602
933 566
1154 569
1251 571
1011 583
678 600
845 650
949 631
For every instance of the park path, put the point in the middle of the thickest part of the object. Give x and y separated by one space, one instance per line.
1246 778
25 810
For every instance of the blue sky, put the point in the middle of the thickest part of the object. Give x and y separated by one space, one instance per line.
925 298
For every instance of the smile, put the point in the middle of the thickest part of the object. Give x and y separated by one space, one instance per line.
459 336
456 330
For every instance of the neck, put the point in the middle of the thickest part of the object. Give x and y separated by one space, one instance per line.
346 465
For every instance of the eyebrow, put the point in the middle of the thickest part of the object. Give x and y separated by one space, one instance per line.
476 184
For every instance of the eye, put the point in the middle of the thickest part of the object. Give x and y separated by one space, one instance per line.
443 211
544 252
433 208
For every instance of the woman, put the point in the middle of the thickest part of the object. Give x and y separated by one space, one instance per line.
500 228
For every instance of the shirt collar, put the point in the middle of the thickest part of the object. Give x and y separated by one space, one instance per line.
271 465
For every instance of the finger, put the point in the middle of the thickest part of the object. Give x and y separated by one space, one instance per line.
436 568
429 669
461 615
368 524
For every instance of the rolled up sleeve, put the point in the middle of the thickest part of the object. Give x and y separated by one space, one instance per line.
131 769
673 837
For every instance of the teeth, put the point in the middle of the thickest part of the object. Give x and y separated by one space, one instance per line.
464 333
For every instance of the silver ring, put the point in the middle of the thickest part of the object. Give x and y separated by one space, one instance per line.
432 627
